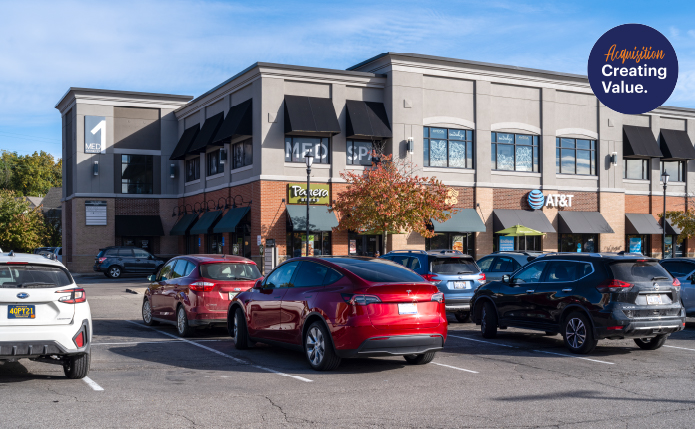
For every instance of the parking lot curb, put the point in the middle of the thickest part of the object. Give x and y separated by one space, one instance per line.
132 291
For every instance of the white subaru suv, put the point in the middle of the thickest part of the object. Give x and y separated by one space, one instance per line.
44 316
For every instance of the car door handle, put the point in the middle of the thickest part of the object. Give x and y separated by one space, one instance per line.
567 290
530 291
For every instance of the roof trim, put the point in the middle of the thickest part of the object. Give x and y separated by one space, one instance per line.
171 97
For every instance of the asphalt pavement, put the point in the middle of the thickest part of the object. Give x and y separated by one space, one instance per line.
148 377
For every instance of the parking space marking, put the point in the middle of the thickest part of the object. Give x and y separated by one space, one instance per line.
481 341
241 361
681 348
91 383
576 357
454 367
147 342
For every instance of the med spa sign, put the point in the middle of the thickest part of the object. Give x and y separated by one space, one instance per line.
633 69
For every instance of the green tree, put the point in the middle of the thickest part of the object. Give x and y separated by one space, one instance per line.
684 220
34 175
21 228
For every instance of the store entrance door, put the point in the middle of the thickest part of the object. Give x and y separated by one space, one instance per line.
365 245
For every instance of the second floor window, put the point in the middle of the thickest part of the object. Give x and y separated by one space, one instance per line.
636 169
296 147
575 156
359 152
193 169
136 174
242 153
514 152
215 165
444 147
675 169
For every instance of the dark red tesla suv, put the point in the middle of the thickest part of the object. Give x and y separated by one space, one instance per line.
339 307
195 290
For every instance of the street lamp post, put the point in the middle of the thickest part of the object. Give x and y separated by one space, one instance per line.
664 178
309 158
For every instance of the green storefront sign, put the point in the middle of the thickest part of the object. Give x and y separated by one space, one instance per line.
319 193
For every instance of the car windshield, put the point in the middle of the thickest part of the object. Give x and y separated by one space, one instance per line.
230 271
453 266
33 276
639 271
386 272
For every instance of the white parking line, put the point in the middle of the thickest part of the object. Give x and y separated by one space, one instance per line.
146 342
224 354
453 367
481 341
91 383
682 348
576 357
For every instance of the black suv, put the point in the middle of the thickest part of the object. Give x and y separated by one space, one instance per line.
585 297
116 260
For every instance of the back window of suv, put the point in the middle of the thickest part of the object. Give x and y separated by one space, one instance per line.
453 265
638 271
33 276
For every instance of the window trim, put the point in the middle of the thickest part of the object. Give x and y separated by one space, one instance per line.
682 170
536 138
351 143
644 162
197 171
208 163
150 161
544 275
329 150
243 147
594 158
428 160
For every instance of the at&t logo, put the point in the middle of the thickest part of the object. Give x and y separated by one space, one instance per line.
536 199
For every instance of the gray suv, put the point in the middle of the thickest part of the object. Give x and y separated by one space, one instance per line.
455 274
498 264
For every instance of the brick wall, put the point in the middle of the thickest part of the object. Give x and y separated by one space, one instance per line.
583 202
466 198
137 206
510 199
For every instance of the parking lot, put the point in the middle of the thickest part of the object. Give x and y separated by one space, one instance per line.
148 377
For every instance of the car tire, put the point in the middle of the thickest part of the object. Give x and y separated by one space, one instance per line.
420 359
240 333
318 348
114 272
488 321
76 367
147 313
462 316
577 334
182 326
651 343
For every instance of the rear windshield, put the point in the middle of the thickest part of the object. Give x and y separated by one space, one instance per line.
453 266
639 271
33 276
381 272
228 271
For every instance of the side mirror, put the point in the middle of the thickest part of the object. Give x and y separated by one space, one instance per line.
505 278
152 277
258 284
692 279
150 257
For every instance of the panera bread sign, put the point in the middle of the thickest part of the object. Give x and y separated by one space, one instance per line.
318 193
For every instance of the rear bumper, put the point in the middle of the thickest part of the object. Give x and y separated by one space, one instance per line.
34 341
395 345
457 304
206 322
643 329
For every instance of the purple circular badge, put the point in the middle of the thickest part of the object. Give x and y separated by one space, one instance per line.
633 69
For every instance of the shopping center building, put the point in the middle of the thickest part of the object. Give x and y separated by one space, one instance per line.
225 172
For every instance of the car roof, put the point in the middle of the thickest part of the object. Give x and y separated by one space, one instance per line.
606 256
29 258
212 258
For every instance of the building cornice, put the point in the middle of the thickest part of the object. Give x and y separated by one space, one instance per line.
115 97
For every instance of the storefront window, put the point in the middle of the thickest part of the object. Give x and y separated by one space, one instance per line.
462 242
319 244
136 174
193 169
215 165
675 169
636 169
638 244
678 246
517 243
444 147
192 244
297 147
575 156
360 152
243 153
578 243
215 243
514 152
364 244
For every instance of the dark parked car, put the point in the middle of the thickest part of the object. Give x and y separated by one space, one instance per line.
338 307
116 260
684 270
498 264
454 273
585 297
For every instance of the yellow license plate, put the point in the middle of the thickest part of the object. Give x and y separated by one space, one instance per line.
21 312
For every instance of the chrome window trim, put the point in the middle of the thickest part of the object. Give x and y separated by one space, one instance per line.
558 260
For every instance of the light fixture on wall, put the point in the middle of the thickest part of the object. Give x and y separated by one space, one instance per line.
96 168
410 146
172 171
614 158
223 156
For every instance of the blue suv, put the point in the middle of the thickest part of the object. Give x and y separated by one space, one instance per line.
455 274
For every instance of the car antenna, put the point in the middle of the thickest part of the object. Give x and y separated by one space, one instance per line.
11 253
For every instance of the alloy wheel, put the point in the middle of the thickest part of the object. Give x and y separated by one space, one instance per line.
147 312
236 325
115 272
575 333
181 320
315 347
483 323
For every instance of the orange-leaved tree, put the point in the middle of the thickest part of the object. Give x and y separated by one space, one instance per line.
390 197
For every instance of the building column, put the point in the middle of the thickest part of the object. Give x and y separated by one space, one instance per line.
484 206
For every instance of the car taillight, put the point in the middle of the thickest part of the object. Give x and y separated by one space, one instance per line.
614 286
102 259
202 286
76 296
439 297
360 299
676 284
432 278
482 278
79 340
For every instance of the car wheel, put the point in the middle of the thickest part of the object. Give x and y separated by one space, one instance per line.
463 316
113 272
182 326
77 366
577 334
239 331
319 348
488 321
651 343
420 359
147 313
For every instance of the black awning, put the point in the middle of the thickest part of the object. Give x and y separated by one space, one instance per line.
206 134
503 219
672 229
466 220
238 123
185 143
583 223
230 221
320 219
206 223
676 145
639 142
641 223
367 120
184 224
139 226
310 116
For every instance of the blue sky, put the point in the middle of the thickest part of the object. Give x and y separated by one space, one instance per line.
187 47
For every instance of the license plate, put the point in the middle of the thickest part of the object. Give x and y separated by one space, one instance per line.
232 295
654 299
21 312
460 285
407 308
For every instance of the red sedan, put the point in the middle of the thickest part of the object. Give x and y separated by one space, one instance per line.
340 307
195 290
